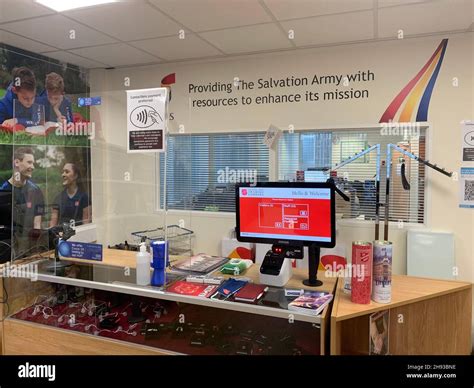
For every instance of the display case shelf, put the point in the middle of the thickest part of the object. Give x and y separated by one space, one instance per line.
107 276
152 292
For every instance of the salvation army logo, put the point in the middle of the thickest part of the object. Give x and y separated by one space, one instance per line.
469 138
64 248
144 116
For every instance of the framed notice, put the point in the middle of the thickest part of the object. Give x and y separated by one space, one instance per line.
467 137
146 120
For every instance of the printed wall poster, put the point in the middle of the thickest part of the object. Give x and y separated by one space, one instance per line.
466 187
146 120
379 329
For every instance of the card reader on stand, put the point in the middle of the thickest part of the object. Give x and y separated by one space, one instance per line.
276 269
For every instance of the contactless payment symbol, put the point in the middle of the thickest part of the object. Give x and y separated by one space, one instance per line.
469 138
145 116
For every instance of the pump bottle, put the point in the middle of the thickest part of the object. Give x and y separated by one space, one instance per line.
143 266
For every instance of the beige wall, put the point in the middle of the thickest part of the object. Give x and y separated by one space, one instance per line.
123 206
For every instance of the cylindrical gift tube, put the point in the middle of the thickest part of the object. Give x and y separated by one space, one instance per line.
382 272
361 279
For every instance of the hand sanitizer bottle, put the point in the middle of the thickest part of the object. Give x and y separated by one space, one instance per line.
143 266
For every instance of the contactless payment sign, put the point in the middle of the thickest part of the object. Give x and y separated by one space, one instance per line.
146 120
79 250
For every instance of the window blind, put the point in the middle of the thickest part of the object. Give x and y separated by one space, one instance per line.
202 170
312 151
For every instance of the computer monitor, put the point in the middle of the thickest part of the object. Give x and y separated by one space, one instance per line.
286 213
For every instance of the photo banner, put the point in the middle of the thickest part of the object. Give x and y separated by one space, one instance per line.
146 120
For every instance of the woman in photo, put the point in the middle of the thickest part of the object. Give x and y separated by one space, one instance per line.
72 205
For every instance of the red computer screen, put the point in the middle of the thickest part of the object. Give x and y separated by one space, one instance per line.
290 213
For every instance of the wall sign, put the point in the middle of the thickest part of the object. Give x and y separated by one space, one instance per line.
79 250
467 187
467 138
89 101
146 120
271 136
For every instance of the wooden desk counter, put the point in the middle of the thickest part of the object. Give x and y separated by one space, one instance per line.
427 316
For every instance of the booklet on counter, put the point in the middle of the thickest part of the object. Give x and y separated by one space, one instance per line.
250 293
200 264
228 288
192 289
311 302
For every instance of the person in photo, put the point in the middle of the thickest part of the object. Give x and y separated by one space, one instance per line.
57 107
18 105
27 201
72 205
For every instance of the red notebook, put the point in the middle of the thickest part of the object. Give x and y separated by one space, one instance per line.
250 293
192 289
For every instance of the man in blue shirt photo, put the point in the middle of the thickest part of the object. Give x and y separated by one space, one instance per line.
18 105
27 201
57 107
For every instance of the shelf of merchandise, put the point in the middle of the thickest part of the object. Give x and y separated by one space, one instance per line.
120 261
157 293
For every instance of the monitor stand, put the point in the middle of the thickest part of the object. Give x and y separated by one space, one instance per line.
314 253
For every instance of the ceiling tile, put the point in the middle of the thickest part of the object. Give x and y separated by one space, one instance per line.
248 39
391 3
214 14
74 59
127 21
445 15
285 9
119 54
58 31
11 10
174 48
23 43
332 28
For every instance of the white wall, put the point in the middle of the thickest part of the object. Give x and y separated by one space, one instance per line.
125 206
